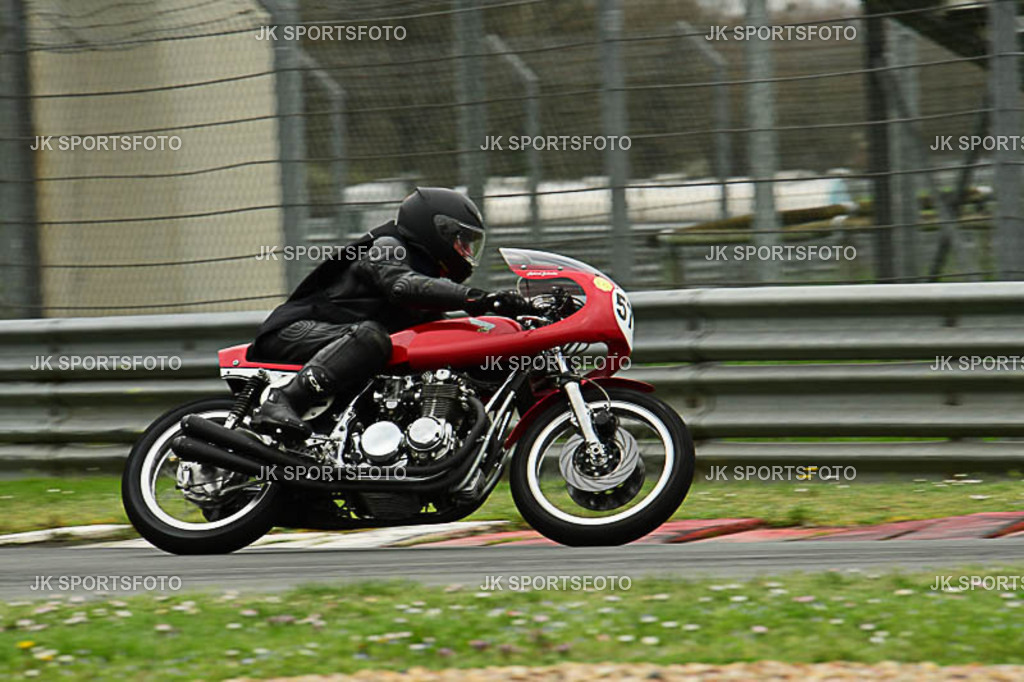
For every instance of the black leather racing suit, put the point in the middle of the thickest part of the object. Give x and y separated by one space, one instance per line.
340 317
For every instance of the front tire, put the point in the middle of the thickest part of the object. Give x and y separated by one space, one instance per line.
173 525
548 506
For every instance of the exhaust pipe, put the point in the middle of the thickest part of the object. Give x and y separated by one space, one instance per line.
192 450
205 430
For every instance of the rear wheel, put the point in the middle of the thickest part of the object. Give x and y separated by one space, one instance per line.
573 500
187 508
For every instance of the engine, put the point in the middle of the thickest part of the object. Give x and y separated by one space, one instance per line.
410 419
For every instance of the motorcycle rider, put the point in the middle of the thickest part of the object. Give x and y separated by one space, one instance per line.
338 320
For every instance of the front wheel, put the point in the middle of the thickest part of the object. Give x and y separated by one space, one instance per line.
188 508
567 496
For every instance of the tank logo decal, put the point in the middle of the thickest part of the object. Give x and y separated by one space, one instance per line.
481 325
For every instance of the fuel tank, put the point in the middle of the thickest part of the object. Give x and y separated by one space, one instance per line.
459 342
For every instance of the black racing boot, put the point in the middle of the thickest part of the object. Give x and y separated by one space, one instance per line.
338 369
280 414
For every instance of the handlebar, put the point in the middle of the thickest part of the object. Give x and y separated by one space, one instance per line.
562 305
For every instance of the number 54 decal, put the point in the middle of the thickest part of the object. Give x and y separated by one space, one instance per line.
623 314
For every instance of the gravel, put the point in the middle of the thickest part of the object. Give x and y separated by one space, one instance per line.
693 672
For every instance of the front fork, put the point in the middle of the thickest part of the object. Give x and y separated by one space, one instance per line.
582 415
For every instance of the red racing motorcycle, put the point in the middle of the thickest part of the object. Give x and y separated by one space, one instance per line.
593 459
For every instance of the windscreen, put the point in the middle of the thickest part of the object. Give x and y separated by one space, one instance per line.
527 259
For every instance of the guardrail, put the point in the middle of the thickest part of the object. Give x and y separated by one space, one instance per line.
804 363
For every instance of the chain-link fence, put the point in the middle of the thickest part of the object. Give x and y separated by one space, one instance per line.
151 151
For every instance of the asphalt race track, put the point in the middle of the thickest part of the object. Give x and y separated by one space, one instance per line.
271 569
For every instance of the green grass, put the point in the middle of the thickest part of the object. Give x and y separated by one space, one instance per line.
55 502
822 617
35 503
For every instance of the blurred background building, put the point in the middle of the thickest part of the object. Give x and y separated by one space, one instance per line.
824 142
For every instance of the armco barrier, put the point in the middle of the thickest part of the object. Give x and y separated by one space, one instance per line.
763 363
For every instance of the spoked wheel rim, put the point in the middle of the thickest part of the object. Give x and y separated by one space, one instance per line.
550 491
163 499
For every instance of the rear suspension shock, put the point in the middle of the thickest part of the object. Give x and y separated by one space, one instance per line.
246 398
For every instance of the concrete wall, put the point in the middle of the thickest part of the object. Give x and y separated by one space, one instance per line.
139 46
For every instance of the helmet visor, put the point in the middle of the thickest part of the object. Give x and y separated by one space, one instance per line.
467 240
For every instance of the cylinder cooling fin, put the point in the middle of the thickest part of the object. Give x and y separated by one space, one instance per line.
439 400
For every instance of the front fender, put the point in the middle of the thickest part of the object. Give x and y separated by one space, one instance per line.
548 398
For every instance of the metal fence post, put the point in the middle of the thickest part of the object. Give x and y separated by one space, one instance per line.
1004 89
723 148
472 114
763 156
913 143
723 153
532 112
337 145
903 51
613 115
291 127
879 146
18 236
339 165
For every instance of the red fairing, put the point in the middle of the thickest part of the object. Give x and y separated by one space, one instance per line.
471 341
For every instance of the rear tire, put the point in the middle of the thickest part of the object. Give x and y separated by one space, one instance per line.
180 537
555 525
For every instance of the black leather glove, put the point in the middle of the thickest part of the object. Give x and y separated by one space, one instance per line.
507 303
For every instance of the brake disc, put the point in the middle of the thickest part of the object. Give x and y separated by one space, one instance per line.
627 451
607 500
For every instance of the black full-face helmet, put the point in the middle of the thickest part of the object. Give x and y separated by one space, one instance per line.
447 225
